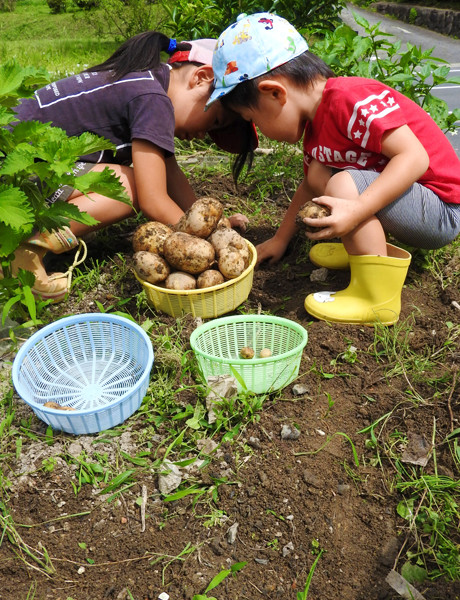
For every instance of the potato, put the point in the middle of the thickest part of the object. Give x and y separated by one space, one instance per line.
247 352
231 263
180 281
188 253
57 406
150 237
224 222
223 239
150 266
311 210
265 353
201 218
209 278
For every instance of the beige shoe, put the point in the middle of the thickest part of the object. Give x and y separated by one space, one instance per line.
29 256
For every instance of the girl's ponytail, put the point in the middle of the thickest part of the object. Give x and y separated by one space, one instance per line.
140 53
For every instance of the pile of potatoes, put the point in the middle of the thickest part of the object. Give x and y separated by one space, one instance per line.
200 251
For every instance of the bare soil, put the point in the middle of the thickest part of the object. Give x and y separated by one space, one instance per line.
290 498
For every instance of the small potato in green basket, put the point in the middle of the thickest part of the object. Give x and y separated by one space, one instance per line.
247 352
265 353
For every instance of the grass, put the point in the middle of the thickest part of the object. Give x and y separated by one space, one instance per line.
63 43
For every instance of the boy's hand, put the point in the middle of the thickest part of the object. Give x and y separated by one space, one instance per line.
238 220
271 250
346 215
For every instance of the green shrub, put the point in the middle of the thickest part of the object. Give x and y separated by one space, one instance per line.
57 6
185 19
414 72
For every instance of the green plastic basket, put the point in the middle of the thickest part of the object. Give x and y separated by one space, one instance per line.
217 346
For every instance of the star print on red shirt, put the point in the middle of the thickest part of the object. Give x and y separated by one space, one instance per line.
353 116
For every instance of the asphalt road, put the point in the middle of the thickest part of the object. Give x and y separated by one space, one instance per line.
445 47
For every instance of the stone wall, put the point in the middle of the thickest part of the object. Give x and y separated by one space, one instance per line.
442 20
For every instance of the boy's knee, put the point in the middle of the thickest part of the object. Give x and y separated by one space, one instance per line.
341 185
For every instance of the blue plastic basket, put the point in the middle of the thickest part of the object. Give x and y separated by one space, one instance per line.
97 364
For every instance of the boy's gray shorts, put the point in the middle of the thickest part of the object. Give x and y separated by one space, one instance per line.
64 192
418 218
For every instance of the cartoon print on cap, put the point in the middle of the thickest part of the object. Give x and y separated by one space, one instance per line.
243 35
268 23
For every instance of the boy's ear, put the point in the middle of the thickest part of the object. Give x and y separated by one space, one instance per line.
273 88
203 75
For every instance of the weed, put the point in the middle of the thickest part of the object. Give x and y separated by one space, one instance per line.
218 580
303 595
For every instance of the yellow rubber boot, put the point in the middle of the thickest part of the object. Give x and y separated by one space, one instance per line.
29 256
333 256
374 293
329 255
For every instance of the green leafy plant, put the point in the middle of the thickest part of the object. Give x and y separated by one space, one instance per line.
414 72
35 159
184 19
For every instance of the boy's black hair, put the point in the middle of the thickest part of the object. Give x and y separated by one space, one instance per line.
140 53
302 71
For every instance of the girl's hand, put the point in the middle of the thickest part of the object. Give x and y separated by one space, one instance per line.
239 220
345 216
271 250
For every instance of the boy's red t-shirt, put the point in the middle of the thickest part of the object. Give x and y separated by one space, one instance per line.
353 115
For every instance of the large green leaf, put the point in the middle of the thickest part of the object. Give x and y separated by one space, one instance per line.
15 211
104 182
17 160
9 239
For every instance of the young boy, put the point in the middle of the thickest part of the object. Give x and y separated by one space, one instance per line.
372 156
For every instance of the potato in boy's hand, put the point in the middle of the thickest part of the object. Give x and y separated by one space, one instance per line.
311 210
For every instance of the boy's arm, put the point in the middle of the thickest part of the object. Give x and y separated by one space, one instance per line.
274 248
408 162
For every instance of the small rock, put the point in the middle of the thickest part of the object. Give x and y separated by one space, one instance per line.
299 389
254 442
288 548
231 535
81 570
319 275
261 561
389 552
289 433
171 479
311 479
343 488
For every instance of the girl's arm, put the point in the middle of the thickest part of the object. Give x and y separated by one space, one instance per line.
408 162
178 185
152 179
165 188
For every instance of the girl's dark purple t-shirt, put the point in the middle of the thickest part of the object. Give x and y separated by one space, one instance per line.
136 106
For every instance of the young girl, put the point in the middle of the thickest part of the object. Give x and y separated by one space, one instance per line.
372 156
140 104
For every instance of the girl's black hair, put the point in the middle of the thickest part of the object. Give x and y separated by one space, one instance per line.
245 157
302 71
140 53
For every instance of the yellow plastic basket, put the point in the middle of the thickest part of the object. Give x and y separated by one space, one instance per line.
207 303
